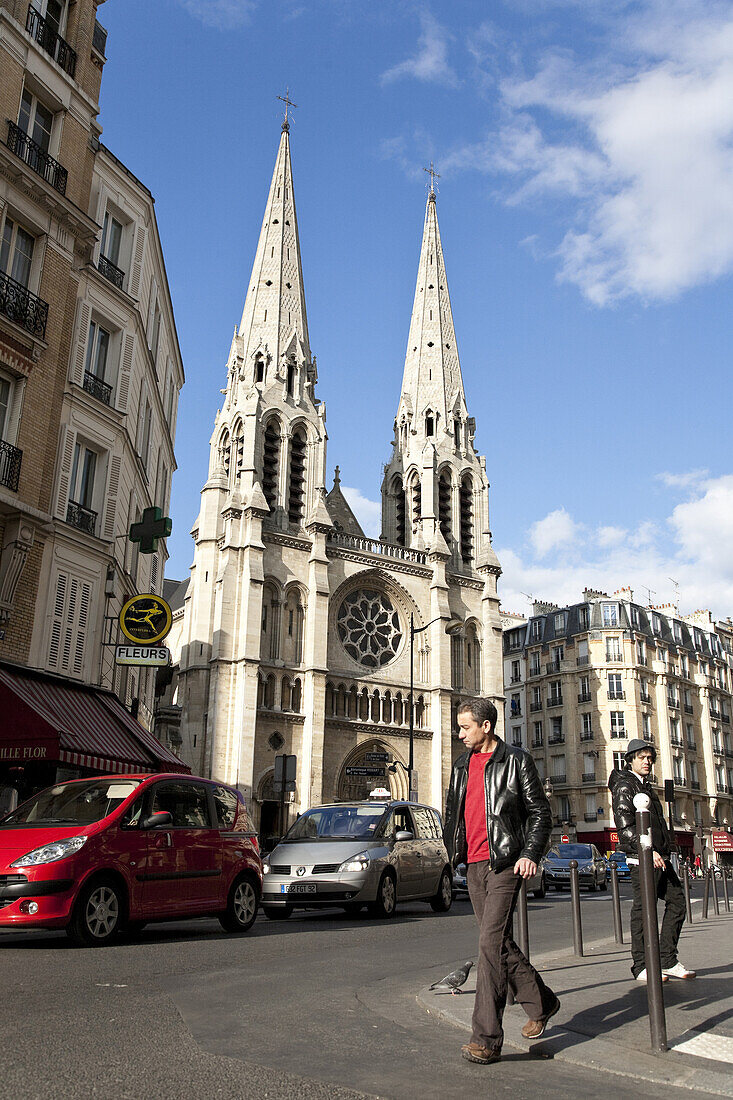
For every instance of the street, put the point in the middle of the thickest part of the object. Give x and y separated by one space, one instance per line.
323 1005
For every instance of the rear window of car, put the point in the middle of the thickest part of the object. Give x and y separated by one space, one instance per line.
618 857
187 804
225 803
425 822
570 851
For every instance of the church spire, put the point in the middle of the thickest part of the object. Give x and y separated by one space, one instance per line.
432 386
274 322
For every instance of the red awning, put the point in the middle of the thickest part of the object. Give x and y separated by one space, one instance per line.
44 718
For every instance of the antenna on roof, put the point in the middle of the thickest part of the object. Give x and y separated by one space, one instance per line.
649 593
676 594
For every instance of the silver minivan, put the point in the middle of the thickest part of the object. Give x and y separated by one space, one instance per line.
352 854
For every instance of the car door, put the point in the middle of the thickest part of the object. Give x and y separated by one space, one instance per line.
408 856
184 872
432 861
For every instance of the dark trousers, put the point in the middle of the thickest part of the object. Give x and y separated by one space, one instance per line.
500 962
669 889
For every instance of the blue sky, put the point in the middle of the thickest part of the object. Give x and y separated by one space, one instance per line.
586 210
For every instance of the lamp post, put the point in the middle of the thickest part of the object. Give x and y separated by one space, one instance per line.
549 791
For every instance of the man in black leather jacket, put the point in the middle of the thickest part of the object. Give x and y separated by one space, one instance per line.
498 822
624 784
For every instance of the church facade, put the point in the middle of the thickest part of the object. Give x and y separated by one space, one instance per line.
295 634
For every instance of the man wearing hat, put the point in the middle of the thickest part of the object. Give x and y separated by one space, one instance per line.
624 784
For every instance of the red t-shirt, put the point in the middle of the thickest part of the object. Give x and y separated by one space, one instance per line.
475 809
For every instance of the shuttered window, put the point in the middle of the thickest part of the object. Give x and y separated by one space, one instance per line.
69 624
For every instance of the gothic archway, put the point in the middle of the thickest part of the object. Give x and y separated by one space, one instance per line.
351 788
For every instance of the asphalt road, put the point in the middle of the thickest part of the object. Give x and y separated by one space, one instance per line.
320 1006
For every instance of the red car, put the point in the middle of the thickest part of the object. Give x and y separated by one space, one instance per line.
98 856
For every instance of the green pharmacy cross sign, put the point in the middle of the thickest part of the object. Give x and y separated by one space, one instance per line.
153 526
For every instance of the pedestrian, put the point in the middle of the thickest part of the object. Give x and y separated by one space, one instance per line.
698 866
624 783
498 822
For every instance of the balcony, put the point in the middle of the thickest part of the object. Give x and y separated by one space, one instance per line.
718 750
48 40
645 698
581 662
616 694
534 707
537 743
642 661
614 658
554 700
695 784
82 518
590 817
676 741
584 697
689 709
586 735
673 704
714 713
22 307
97 388
721 788
558 780
552 666
556 739
725 719
692 745
36 158
10 460
515 711
116 276
99 39
535 671
589 777
679 781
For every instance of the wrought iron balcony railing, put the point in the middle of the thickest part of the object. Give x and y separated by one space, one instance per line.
50 41
586 735
689 709
97 388
558 780
83 518
26 309
554 700
556 739
10 461
589 777
590 817
110 271
584 697
36 158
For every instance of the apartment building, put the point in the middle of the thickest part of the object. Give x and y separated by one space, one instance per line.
583 680
90 368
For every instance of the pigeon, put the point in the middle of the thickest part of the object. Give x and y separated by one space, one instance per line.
452 982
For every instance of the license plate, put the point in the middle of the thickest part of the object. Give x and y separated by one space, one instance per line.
298 888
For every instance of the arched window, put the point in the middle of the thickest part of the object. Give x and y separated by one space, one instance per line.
270 642
269 701
472 661
419 712
286 694
225 452
296 498
291 378
292 632
457 433
330 700
444 495
375 715
398 495
416 501
238 449
399 710
259 369
296 696
271 462
456 661
364 705
467 519
429 424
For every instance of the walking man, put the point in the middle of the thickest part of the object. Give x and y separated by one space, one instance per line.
624 783
498 822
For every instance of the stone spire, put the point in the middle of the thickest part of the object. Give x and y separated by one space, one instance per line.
274 321
432 381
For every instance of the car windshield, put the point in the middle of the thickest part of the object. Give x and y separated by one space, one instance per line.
72 803
570 851
336 822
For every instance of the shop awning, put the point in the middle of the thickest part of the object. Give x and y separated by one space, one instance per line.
47 718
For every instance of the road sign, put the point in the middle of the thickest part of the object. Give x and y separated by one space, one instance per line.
371 773
564 839
377 757
614 838
146 655
153 526
285 769
722 842
146 619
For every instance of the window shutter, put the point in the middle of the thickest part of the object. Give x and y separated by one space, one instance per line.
82 335
69 624
85 598
110 505
57 621
66 458
137 262
123 385
151 311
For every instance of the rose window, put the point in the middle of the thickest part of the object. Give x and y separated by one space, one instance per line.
369 627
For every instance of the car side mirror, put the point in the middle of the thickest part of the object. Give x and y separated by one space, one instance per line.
404 834
157 820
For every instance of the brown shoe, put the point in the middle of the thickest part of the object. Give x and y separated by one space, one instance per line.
533 1029
476 1052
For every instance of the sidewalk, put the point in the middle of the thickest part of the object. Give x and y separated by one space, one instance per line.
603 1022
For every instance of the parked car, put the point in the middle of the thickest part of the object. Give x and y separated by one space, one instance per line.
591 866
350 854
622 867
535 885
98 856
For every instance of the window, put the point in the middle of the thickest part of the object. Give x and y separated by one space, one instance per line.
697 810
560 622
676 631
615 691
690 735
694 776
555 696
16 252
35 120
536 697
646 726
186 802
586 720
536 630
4 406
557 734
538 733
155 342
558 766
145 425
517 735
225 803
634 616
674 731
564 808
618 727
656 624
516 677
111 239
296 500
97 350
610 614
516 706
81 489
613 649
618 760
583 618
536 666
429 425
585 686
640 653
678 769
590 805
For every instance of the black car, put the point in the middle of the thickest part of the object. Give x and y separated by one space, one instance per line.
591 866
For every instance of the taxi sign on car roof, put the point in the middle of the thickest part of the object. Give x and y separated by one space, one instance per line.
380 792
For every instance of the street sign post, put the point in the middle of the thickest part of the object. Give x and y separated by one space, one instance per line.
370 773
377 757
146 656
564 839
284 780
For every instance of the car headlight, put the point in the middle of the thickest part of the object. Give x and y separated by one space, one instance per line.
49 853
265 866
355 863
585 867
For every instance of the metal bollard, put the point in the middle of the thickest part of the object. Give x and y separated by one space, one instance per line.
725 891
618 930
714 885
686 888
655 996
523 920
705 895
575 904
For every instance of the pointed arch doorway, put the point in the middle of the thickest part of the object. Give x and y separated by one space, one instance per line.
352 788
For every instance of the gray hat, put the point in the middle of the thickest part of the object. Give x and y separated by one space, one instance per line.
636 746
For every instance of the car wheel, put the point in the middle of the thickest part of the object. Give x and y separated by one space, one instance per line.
443 899
386 900
242 905
540 893
98 914
277 912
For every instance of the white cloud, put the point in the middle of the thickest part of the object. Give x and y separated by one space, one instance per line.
640 139
556 529
688 480
430 63
222 14
692 546
368 512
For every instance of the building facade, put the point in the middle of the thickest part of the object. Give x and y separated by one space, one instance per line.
583 680
90 368
295 634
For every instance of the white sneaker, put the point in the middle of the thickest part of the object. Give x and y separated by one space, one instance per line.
678 971
641 977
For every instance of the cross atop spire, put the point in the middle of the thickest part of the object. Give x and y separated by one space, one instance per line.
288 103
433 177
